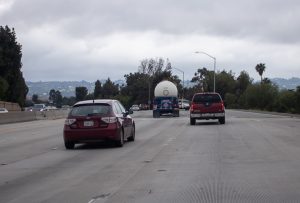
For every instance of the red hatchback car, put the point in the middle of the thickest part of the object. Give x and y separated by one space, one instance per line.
98 120
207 106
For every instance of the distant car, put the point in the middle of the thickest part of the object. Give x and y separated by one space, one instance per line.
98 120
3 110
207 106
135 107
184 105
38 107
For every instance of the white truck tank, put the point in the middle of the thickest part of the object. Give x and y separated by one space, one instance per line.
165 89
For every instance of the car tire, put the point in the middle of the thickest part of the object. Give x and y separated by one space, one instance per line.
156 115
192 121
120 142
69 145
222 120
132 137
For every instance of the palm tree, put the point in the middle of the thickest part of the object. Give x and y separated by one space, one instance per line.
260 68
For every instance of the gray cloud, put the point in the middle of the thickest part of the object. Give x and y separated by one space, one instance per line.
104 35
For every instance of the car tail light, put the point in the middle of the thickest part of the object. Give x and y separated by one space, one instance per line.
109 119
154 107
70 121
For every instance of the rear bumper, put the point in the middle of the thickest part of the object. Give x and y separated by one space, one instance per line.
163 111
207 115
89 135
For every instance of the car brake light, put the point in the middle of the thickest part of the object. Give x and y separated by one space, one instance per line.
192 107
109 119
70 121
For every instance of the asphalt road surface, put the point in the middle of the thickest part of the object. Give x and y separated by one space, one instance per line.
252 158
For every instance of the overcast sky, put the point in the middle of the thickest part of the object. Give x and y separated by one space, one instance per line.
97 39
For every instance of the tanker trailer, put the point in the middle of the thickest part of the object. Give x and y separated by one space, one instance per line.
165 99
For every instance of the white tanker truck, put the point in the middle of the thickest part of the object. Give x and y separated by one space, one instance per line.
165 99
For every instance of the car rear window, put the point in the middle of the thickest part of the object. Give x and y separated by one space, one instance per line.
90 110
204 98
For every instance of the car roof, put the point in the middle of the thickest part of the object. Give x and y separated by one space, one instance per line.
96 101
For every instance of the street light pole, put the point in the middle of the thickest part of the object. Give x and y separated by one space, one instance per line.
215 61
182 84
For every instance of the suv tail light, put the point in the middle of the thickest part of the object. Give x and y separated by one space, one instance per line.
109 119
223 107
192 107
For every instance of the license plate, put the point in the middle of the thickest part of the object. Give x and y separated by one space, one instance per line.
207 115
88 123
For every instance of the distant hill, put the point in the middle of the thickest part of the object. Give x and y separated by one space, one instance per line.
282 83
67 88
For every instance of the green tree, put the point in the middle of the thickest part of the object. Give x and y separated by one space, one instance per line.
242 82
35 98
3 88
231 100
109 89
260 68
261 96
136 87
58 99
298 99
225 83
201 77
70 101
97 90
81 93
52 96
286 101
10 66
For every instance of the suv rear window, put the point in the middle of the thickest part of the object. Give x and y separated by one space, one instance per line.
90 110
204 98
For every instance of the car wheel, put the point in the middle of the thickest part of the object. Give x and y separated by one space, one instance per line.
192 121
222 120
156 115
132 136
69 145
120 142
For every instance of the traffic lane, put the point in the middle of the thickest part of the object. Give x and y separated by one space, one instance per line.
241 161
58 174
20 141
112 171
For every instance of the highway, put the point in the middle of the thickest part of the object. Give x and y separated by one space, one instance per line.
252 158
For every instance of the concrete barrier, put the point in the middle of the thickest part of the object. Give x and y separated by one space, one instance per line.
13 117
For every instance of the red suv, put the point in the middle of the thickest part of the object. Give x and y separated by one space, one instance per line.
207 106
98 120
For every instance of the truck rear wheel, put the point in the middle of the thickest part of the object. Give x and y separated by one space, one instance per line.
156 114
